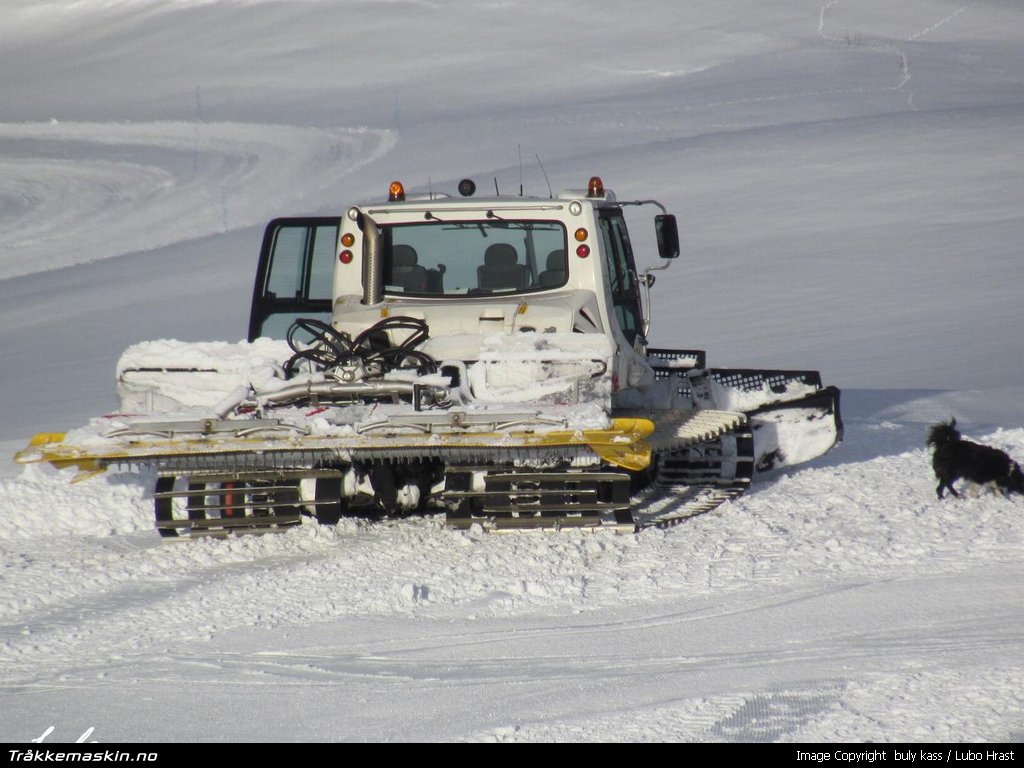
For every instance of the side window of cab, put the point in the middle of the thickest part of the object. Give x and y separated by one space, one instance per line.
295 275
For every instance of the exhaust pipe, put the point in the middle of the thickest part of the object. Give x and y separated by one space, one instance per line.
373 261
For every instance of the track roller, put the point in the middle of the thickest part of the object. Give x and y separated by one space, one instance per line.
209 504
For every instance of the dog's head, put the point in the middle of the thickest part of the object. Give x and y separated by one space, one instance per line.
1015 482
943 434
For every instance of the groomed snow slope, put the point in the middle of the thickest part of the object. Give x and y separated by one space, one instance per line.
847 178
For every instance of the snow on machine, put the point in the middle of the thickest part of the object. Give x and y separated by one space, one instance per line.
482 356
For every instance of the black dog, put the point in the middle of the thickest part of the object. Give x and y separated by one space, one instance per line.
956 458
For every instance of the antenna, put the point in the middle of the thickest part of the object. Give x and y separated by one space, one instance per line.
430 188
550 193
519 148
496 192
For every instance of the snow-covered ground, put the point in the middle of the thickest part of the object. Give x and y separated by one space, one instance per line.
848 180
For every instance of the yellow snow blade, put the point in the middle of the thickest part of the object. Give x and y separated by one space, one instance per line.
37 447
42 447
622 445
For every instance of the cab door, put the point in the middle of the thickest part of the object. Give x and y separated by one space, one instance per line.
625 289
295 275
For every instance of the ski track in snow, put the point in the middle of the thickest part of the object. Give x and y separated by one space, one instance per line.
173 181
945 20
857 39
820 711
854 37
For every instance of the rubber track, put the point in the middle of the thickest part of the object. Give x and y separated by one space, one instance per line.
681 487
701 460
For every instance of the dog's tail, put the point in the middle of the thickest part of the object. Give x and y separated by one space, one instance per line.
943 434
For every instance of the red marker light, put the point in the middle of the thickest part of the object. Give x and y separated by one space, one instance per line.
583 251
596 187
345 257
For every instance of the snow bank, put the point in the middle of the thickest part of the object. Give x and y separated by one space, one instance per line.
867 519
43 502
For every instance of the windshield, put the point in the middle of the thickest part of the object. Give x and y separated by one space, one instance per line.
474 258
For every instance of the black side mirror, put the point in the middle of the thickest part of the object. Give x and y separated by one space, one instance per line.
668 235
